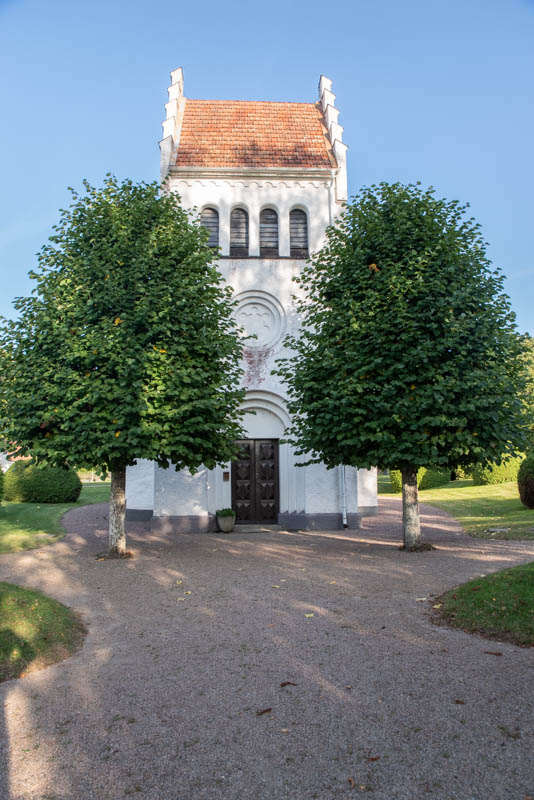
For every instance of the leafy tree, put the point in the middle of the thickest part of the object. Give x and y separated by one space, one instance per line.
127 349
408 356
529 394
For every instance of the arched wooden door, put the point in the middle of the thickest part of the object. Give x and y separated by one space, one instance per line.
255 481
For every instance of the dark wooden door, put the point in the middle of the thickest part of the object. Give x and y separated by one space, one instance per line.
255 481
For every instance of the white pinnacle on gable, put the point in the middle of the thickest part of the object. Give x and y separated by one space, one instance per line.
335 134
172 124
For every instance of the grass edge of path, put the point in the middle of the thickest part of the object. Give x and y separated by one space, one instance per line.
35 631
25 526
499 606
478 508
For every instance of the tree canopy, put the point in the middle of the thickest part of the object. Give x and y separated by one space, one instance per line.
529 394
409 355
127 348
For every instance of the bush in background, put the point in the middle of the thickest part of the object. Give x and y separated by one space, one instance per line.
460 474
525 481
396 478
26 482
427 478
496 473
434 477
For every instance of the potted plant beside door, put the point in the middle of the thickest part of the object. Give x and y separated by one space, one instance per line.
225 519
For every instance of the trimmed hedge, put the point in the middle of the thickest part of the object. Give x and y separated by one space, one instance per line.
525 481
434 477
427 478
26 482
496 473
396 478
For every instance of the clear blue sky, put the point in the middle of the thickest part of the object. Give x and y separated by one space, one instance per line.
441 92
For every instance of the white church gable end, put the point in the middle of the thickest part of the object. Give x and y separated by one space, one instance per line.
265 179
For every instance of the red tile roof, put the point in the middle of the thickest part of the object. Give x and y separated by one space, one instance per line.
227 133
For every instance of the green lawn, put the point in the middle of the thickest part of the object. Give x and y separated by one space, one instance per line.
499 606
34 631
24 526
384 485
479 508
88 476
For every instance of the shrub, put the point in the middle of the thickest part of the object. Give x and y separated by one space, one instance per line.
427 478
460 473
396 478
525 481
12 478
496 473
225 512
26 482
433 477
1 485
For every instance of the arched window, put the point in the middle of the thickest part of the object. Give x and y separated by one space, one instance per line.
209 219
268 233
298 234
239 233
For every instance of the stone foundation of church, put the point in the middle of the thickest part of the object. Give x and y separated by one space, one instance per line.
207 523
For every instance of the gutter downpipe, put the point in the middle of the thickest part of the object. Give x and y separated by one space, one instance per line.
344 497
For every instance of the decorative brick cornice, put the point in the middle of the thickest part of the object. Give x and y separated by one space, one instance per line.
257 173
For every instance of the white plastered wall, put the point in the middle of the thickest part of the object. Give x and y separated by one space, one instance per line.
315 197
140 485
180 494
269 284
324 489
367 490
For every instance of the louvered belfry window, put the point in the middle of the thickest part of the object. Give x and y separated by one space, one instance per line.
298 234
239 233
268 233
209 219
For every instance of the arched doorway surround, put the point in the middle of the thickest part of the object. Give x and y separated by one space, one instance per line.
266 418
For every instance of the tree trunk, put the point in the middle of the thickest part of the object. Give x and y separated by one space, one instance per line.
117 513
411 527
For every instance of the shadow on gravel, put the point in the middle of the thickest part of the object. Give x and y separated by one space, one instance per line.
4 756
196 634
69 730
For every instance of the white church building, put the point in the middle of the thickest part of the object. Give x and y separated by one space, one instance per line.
266 179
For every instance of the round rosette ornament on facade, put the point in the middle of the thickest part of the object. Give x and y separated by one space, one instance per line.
261 315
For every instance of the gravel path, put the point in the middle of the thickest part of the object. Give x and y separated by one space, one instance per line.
193 637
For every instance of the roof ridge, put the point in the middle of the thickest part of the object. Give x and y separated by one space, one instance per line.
251 102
